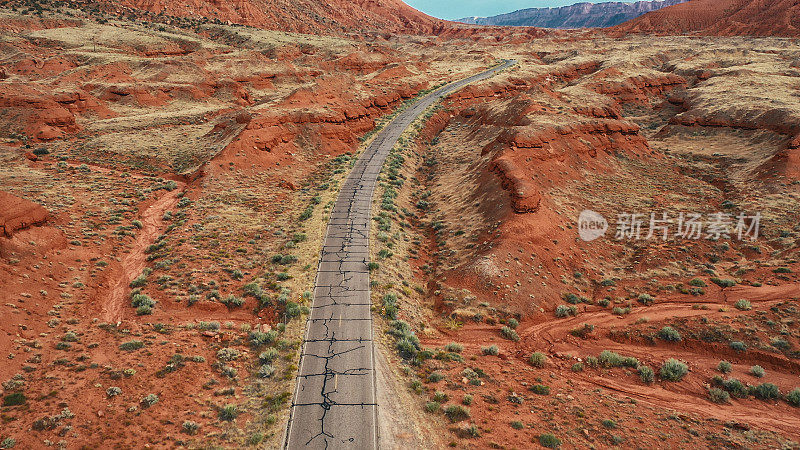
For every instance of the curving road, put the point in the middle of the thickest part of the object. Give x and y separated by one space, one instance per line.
334 404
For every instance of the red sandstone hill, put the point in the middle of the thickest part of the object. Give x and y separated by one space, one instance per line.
722 17
302 16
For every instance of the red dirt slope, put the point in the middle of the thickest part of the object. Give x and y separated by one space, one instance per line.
302 16
723 18
17 213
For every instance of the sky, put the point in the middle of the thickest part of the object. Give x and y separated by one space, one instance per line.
457 9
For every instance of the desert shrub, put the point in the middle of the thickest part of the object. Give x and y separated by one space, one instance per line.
407 346
620 311
509 334
724 367
440 397
139 281
735 387
435 377
228 354
697 282
723 283
266 370
646 299
608 358
268 355
228 413
517 425
232 301
456 413
780 343
646 374
782 270
669 334
757 371
765 391
538 359
467 400
190 427
592 361
739 346
718 395
572 298
793 397
604 302
260 339
540 389
566 311
8 442
14 399
577 367
131 345
549 440
673 370
454 347
149 400
292 310
512 323
433 407
490 350
113 391
609 423
743 305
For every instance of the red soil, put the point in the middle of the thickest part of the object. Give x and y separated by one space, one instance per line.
721 18
17 213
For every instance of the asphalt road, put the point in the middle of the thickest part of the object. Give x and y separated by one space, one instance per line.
334 405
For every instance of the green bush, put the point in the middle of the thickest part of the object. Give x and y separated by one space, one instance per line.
757 371
735 387
8 442
697 282
512 323
673 370
646 374
131 345
793 397
743 305
540 389
646 299
509 334
723 283
190 427
669 334
517 425
435 377
456 413
407 346
467 400
738 346
724 367
268 355
144 310
490 350
549 440
566 311
149 400
15 399
765 391
538 359
453 347
577 367
266 370
717 395
228 413
433 407
608 423
232 301
260 339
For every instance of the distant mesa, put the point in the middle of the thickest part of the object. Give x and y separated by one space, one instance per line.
579 15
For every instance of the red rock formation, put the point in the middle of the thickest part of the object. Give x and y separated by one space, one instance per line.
17 213
721 18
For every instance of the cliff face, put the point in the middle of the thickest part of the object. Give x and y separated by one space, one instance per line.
302 16
722 18
579 15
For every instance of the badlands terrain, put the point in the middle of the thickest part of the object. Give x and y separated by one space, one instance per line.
168 171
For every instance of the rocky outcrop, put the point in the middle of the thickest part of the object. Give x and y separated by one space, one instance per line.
17 213
579 15
721 18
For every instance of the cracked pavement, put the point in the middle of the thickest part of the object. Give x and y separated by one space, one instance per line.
334 405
